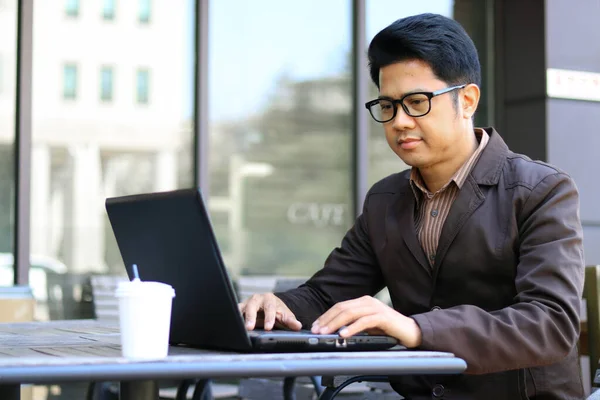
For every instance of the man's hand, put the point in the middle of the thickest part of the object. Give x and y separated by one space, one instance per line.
370 315
266 310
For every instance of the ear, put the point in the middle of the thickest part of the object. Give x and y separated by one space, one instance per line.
470 100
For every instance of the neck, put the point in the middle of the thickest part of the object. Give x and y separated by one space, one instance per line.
439 174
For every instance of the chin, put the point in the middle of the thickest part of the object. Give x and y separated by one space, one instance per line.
410 159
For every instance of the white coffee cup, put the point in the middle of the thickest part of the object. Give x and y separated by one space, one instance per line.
144 318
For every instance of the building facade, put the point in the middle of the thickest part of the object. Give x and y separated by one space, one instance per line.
263 111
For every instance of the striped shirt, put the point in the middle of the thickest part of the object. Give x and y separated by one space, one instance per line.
432 208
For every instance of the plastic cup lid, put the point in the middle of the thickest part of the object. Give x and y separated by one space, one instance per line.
144 288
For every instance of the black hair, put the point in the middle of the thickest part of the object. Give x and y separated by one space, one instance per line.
439 41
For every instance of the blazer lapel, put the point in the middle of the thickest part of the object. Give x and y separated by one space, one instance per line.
400 225
468 200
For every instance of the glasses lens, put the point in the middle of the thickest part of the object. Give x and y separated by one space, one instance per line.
416 104
382 111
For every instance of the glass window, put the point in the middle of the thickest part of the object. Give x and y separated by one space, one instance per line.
70 81
108 10
8 26
106 84
380 13
84 152
143 78
72 8
280 133
145 11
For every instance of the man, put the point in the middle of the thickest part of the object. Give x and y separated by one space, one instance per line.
480 248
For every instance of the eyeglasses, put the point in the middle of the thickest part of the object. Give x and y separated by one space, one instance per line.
415 104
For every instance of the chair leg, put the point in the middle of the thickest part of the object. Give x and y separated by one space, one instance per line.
330 393
316 381
182 389
91 391
203 390
288 388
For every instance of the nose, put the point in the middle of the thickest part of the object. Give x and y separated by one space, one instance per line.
402 121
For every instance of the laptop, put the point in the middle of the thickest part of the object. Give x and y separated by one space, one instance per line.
170 238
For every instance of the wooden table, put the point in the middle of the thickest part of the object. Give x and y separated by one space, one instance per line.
88 350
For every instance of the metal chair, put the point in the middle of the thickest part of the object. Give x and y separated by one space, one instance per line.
69 297
589 339
374 387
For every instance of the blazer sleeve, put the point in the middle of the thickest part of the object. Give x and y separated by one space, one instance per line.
542 326
350 271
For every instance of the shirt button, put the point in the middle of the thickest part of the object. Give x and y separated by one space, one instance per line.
438 391
432 257
434 213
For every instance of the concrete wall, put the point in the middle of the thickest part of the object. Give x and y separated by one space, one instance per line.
573 134
532 36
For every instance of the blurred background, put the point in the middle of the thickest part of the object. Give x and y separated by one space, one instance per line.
259 103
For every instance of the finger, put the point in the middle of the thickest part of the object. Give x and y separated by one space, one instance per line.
241 307
375 331
252 306
333 312
365 323
345 318
329 315
270 311
288 319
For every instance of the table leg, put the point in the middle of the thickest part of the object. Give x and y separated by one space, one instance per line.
138 390
10 392
288 388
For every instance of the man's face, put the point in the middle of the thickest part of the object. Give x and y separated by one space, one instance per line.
434 138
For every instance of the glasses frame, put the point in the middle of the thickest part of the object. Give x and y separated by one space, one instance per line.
395 103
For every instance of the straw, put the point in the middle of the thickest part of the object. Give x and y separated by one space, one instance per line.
136 275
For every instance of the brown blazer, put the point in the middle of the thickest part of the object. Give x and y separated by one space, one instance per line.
504 293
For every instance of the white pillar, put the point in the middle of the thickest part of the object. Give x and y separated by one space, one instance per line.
86 248
41 232
165 171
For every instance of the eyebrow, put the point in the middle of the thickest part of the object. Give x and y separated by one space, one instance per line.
416 90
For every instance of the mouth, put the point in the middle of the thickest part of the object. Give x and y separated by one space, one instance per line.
409 143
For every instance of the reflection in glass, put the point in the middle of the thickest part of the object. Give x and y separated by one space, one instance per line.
85 150
280 133
381 13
